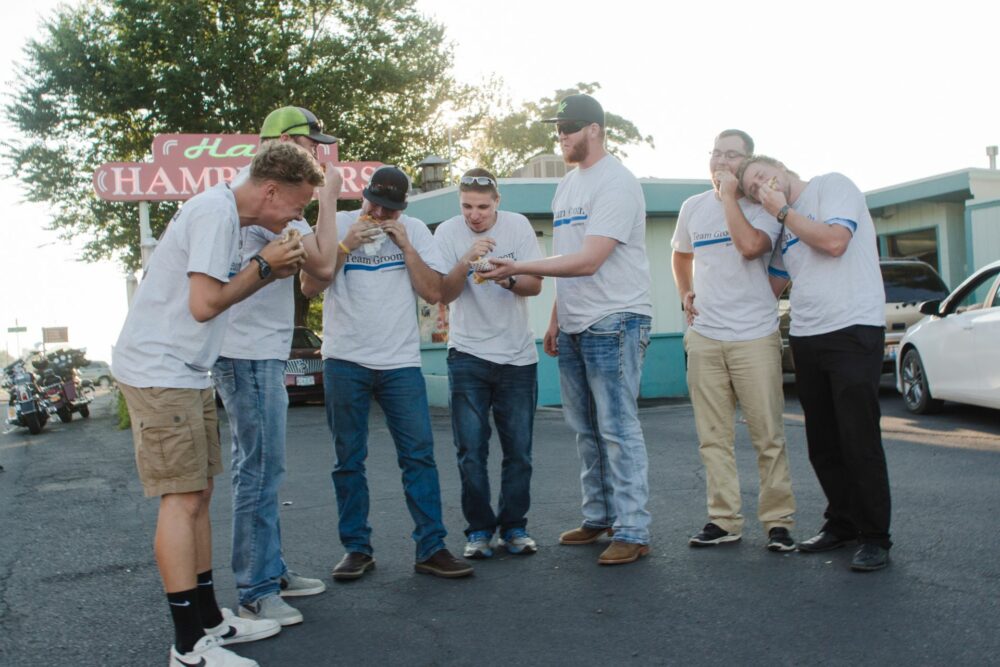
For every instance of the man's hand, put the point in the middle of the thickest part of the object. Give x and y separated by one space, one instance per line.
690 312
772 200
285 257
729 187
550 343
330 191
480 248
505 267
397 232
358 233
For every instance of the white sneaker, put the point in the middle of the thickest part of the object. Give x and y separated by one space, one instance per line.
208 652
271 607
293 584
236 630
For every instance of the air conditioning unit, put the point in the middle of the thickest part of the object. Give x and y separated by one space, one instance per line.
542 166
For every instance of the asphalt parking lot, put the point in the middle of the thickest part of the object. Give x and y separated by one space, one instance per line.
78 584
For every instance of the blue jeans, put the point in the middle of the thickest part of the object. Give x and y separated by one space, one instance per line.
599 372
256 401
477 386
402 395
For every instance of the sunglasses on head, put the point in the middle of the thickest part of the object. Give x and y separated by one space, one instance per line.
385 189
570 127
316 126
484 181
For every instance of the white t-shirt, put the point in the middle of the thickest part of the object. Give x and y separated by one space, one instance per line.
370 311
487 320
604 200
830 293
161 344
732 293
260 326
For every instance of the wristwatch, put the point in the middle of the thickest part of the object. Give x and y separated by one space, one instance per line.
782 213
263 268
511 281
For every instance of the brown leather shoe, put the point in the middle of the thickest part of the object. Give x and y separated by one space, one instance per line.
352 566
583 535
620 553
443 564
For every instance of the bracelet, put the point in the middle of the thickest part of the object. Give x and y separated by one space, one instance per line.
347 251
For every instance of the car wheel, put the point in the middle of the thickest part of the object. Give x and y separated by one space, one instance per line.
916 393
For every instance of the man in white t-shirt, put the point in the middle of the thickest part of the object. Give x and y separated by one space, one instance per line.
171 338
492 362
829 251
371 349
599 328
733 346
249 376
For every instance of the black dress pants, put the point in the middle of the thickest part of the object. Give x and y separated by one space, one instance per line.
837 376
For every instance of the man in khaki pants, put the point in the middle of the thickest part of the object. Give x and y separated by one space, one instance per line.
733 346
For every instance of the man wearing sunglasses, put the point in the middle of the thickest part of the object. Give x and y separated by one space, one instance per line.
371 350
599 328
492 363
249 377
733 346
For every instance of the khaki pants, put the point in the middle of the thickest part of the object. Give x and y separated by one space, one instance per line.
719 374
176 436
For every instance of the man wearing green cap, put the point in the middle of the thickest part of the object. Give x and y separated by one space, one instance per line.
600 328
249 377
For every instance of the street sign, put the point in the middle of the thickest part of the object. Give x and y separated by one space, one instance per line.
55 334
17 329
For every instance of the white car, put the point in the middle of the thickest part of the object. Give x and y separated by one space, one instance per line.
954 352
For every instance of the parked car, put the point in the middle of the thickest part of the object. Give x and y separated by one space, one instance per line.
304 368
954 352
97 372
907 282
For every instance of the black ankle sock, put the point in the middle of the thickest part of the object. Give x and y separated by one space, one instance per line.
187 621
207 606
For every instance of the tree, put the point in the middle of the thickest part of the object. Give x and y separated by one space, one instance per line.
504 142
107 76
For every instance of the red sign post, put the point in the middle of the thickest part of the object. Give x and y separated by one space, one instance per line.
185 164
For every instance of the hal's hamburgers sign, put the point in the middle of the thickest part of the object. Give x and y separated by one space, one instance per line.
185 164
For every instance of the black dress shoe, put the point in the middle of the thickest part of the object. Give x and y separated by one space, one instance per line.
824 541
353 566
870 557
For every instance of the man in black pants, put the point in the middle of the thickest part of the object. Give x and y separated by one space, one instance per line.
828 249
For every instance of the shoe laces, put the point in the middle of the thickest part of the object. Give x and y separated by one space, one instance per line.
517 533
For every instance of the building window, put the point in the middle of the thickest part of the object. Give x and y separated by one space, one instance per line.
918 244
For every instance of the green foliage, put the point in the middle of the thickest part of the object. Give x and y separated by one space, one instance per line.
124 419
104 77
501 139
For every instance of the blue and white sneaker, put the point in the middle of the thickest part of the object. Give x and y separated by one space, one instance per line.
517 541
478 546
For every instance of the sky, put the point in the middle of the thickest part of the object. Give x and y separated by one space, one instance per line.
883 91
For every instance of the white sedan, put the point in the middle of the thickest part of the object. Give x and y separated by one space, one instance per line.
954 352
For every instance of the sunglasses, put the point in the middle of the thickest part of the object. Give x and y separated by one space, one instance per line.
316 125
484 181
384 189
571 127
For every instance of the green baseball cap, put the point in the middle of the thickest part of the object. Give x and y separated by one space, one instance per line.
295 121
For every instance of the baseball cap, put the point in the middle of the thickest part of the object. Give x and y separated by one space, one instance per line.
579 107
388 187
295 121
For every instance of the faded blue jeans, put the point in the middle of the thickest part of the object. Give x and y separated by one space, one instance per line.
477 387
254 395
599 372
402 395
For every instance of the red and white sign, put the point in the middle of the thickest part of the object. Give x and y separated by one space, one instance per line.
185 164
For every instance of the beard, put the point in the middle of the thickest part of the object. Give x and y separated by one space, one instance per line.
576 153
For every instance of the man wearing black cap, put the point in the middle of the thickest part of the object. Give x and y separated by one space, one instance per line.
249 377
371 349
600 328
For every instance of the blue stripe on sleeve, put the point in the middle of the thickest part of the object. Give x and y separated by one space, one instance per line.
844 222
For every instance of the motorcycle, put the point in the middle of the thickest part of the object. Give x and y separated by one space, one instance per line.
27 406
60 383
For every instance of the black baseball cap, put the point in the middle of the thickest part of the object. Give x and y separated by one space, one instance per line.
388 187
579 107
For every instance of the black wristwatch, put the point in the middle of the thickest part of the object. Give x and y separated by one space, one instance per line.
511 282
263 268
